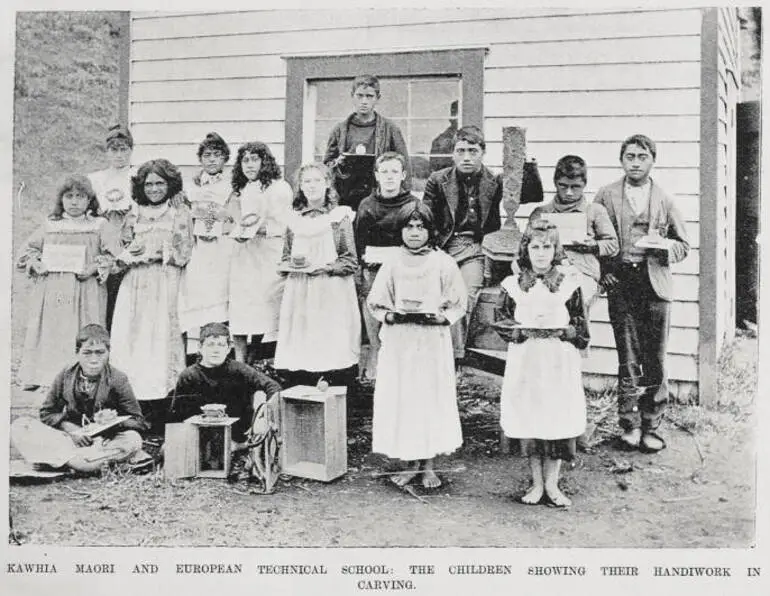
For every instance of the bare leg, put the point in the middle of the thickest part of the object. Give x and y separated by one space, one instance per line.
551 469
429 478
534 494
239 343
401 479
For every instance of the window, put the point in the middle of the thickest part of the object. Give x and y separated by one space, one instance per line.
424 108
427 94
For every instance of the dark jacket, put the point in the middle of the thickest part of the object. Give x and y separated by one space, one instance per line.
442 193
113 392
231 383
387 137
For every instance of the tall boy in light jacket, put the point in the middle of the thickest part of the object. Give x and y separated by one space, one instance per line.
640 289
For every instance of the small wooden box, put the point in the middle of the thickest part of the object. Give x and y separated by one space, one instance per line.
199 447
314 432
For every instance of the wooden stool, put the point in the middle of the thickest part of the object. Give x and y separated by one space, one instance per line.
187 443
314 432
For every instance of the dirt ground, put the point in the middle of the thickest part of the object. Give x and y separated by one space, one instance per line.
700 492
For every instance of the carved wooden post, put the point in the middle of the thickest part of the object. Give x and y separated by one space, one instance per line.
514 155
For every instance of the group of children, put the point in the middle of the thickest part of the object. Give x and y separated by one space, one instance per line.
283 266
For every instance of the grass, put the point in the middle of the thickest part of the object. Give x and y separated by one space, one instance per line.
65 98
736 392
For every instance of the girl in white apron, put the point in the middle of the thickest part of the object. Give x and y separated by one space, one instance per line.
320 324
542 403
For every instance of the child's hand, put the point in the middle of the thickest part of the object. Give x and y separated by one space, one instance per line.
436 319
568 333
179 199
324 269
87 273
609 281
661 255
222 214
517 335
136 249
80 439
36 267
394 318
587 245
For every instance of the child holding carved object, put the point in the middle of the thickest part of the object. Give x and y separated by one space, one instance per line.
90 417
570 177
146 336
260 205
417 295
204 287
320 304
542 403
69 258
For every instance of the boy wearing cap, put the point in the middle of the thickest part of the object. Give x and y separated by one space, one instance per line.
364 132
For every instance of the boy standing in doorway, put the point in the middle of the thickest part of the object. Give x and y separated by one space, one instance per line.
640 289
364 133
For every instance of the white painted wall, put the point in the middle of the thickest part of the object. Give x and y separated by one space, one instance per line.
579 82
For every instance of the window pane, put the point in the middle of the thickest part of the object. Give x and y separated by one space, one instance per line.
333 99
431 136
322 130
434 98
423 108
393 98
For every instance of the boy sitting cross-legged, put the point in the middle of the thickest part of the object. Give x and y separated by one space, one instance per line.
91 390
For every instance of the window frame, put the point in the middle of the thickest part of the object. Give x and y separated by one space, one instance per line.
467 63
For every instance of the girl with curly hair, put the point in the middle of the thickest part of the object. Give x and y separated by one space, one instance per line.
540 313
64 298
260 206
320 305
204 288
146 337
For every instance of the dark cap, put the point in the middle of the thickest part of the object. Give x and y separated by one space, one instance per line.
118 131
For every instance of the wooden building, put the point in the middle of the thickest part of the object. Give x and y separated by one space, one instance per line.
579 81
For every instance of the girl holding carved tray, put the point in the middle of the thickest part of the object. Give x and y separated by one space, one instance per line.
146 337
417 295
69 258
320 305
260 205
540 313
204 288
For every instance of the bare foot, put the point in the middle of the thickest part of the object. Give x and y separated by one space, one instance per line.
558 498
430 480
533 495
401 479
